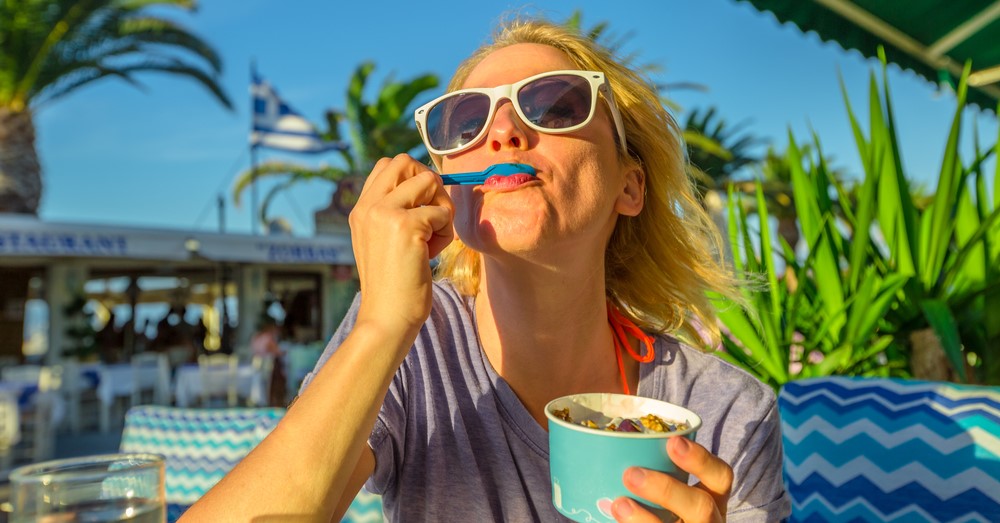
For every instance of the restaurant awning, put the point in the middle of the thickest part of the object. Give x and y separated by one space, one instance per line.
28 237
933 38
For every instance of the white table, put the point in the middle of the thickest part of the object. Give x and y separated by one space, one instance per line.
249 384
122 380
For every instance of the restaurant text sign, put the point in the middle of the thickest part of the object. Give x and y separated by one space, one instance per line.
62 244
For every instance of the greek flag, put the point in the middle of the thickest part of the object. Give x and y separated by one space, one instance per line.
278 126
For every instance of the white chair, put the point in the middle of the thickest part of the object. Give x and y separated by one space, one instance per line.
76 391
38 428
10 428
143 365
38 414
217 374
36 420
260 388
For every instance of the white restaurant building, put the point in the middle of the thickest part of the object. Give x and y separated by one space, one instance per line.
124 268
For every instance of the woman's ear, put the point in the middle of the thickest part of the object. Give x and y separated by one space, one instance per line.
633 195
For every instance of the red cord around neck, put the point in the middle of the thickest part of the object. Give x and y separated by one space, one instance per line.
620 324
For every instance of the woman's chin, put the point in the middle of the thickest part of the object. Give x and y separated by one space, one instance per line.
501 241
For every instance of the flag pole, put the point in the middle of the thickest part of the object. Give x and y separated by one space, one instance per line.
253 190
253 153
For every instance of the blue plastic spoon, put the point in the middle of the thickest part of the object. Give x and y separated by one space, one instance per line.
478 178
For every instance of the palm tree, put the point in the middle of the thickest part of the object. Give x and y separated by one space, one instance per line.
50 48
728 149
601 33
379 129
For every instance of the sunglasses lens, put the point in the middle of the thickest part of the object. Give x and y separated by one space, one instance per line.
457 120
556 102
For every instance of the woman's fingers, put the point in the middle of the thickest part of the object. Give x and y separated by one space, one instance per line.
438 229
388 173
705 502
714 475
423 188
402 219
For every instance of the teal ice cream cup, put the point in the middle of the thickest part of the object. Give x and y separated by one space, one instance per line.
586 465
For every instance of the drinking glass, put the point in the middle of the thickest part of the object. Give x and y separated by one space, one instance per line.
108 487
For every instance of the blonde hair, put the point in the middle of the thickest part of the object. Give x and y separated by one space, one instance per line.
660 264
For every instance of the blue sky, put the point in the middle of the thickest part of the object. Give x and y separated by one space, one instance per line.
160 157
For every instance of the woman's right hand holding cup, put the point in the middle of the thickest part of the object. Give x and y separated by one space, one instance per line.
401 221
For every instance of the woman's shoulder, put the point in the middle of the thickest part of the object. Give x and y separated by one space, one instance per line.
704 371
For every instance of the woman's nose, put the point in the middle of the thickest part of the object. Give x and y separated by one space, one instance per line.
507 129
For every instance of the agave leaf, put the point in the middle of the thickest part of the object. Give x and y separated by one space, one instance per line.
990 224
864 213
751 259
834 361
971 270
816 229
742 328
994 237
767 251
907 210
804 191
874 348
887 297
941 214
859 302
859 137
821 177
735 201
941 320
826 274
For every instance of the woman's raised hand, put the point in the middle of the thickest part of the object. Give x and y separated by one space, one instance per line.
704 502
402 219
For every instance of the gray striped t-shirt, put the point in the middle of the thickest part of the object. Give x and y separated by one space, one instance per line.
453 443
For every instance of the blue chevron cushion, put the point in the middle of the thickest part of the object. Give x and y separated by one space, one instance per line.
865 449
366 508
200 445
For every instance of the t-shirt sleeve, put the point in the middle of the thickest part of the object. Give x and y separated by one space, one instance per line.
759 492
391 418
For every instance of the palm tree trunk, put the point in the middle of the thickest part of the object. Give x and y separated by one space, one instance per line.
788 228
20 172
928 361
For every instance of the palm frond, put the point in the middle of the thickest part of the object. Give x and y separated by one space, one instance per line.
150 30
60 46
279 168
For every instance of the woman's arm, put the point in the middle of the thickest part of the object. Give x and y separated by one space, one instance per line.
303 468
363 470
299 469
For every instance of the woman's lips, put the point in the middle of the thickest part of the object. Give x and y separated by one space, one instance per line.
508 182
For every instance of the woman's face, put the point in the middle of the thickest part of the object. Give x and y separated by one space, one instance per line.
580 187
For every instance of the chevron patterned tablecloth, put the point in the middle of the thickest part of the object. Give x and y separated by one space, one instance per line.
862 449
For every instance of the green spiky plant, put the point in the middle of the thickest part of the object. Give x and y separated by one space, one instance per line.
881 275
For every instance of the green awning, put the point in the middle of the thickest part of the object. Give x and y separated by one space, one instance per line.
933 38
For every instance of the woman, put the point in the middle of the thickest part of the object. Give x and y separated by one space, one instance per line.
433 392
264 344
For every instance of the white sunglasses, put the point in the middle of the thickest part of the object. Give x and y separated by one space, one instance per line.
554 102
